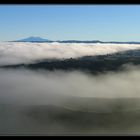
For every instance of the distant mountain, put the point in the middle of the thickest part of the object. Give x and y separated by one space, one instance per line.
96 41
39 39
79 41
33 39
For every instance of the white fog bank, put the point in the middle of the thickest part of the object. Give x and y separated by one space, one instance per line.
18 52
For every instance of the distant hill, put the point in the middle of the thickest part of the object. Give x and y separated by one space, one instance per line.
39 39
94 64
33 39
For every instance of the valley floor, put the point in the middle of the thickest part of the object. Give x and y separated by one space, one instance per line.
66 119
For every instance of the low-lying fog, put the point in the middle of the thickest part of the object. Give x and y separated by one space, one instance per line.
16 53
64 102
75 103
44 87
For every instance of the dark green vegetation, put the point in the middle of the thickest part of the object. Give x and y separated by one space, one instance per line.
93 64
119 116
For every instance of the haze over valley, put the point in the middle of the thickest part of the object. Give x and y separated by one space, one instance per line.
69 70
46 87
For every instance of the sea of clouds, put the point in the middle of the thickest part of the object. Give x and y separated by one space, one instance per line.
20 52
41 87
17 84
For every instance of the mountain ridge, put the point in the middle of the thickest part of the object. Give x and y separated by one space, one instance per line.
32 39
39 39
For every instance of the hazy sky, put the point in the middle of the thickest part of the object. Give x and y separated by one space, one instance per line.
62 22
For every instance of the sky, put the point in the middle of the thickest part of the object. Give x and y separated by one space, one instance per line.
70 22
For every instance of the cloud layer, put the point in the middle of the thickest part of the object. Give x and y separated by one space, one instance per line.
16 53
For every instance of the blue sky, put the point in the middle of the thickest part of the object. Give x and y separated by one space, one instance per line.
63 22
